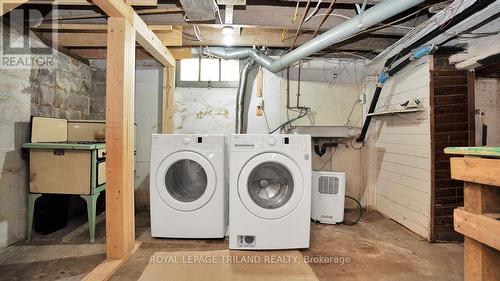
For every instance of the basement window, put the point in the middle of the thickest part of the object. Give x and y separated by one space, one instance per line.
207 73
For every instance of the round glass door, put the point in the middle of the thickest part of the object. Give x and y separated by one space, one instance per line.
270 185
185 180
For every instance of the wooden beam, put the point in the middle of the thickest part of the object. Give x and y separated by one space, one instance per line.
484 228
9 5
78 27
55 45
273 38
116 8
98 39
152 43
145 37
168 100
105 270
87 3
100 53
478 170
120 80
142 2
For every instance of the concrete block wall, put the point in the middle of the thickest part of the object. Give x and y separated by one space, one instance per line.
63 92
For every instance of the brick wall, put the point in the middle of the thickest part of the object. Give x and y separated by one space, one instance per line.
450 126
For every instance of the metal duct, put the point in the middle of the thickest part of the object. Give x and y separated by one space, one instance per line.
240 96
375 15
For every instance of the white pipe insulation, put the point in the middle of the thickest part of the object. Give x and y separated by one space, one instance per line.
375 15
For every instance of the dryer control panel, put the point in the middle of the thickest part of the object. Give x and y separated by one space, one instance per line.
298 143
195 141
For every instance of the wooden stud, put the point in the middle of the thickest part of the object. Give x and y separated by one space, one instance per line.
168 100
120 80
481 199
480 262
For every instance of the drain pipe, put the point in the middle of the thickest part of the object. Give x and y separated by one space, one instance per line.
375 15
240 96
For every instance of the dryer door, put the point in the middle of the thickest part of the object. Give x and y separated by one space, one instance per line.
185 180
270 186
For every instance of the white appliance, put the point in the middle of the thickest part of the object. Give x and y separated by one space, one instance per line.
270 191
188 191
328 192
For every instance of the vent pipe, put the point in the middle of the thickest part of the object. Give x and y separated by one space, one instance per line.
240 96
375 15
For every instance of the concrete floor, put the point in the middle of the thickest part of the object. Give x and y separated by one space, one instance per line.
378 249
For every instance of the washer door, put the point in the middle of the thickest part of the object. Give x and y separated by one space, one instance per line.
270 185
185 181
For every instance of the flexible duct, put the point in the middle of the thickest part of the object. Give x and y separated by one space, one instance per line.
375 15
240 96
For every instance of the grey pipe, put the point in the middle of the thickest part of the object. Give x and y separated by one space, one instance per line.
240 96
375 15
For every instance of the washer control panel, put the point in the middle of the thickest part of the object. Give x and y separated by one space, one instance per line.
298 143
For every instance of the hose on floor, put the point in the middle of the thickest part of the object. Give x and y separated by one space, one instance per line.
360 211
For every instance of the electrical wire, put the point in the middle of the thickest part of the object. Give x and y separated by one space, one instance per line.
330 158
217 12
360 211
310 16
303 112
267 121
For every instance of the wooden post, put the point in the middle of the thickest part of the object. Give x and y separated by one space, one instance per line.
479 220
120 236
168 100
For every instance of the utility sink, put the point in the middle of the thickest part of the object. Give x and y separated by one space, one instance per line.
327 131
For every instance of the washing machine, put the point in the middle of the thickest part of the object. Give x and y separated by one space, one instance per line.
270 191
188 186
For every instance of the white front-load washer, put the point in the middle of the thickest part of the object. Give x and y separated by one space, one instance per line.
188 186
270 191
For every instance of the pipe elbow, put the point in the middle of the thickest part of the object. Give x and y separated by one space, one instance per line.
383 76
422 52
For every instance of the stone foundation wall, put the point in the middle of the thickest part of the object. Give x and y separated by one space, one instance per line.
65 92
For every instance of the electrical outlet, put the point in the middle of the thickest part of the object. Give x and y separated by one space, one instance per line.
362 99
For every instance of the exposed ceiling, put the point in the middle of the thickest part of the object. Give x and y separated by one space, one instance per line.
81 29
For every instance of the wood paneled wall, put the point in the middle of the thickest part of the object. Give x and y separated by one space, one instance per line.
402 143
